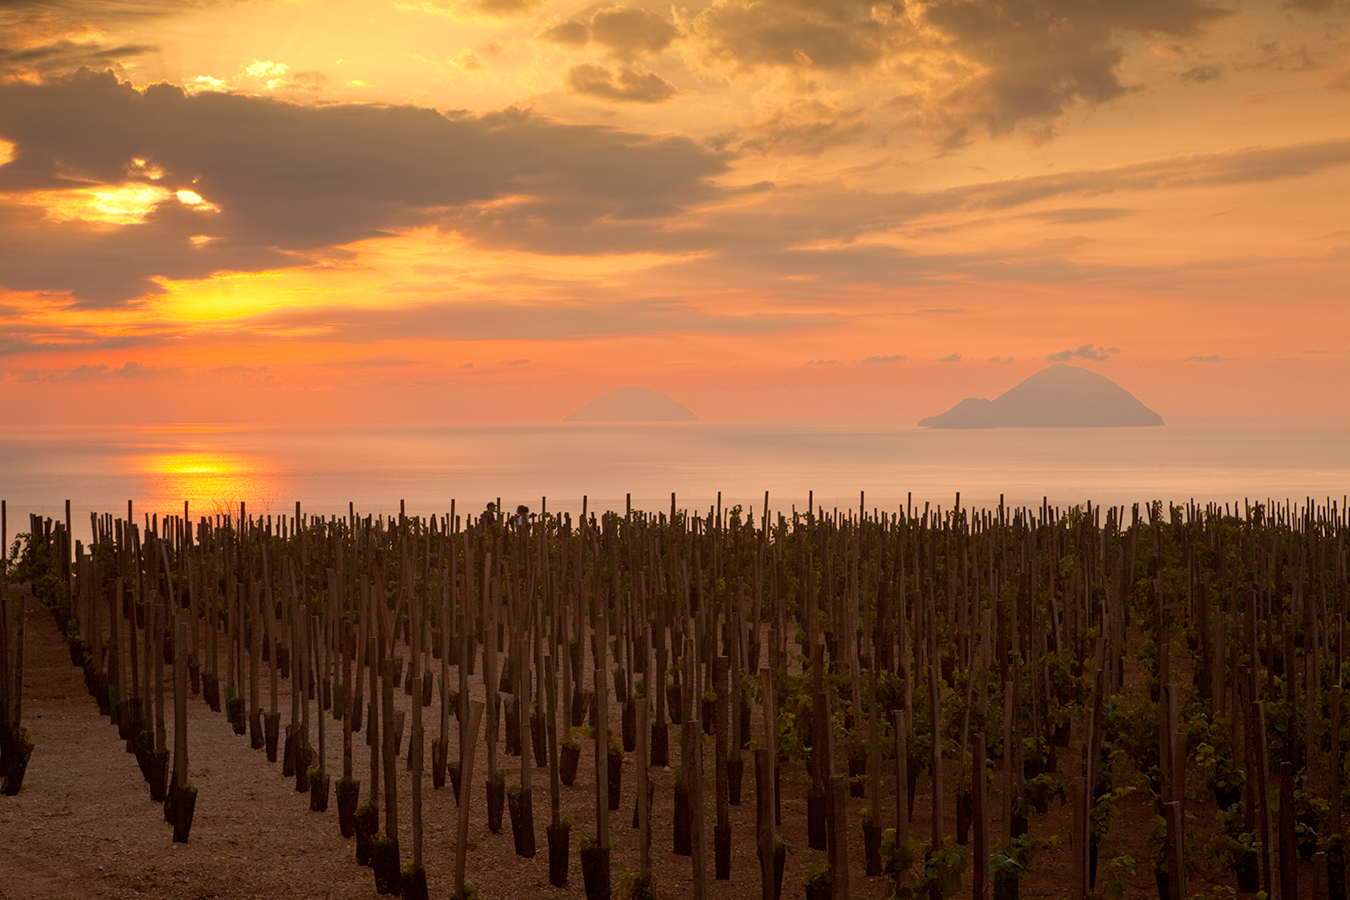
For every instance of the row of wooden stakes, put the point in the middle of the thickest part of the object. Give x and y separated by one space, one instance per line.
904 611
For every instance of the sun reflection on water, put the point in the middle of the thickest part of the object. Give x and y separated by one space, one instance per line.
211 481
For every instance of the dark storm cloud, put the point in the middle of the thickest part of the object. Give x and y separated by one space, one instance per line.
568 33
1001 65
64 55
104 11
1317 6
829 211
835 35
810 273
625 85
291 179
107 266
493 320
806 127
1033 59
505 7
626 33
35 35
1202 74
1077 215
1245 165
11 346
630 32
780 235
293 182
19 336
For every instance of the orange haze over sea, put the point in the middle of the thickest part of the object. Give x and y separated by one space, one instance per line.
892 463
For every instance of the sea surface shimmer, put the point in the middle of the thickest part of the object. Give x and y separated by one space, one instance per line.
214 468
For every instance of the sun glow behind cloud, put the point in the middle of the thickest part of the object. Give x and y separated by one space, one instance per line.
194 200
126 204
412 266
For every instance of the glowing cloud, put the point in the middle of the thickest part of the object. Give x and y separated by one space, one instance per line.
194 200
125 204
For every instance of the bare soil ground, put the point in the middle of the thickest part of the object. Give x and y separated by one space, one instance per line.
84 824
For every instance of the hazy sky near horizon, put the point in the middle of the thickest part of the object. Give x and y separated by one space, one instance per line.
495 210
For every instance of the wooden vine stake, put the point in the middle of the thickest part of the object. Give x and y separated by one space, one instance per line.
1018 592
475 709
722 830
522 810
643 797
980 814
902 802
559 832
182 799
384 849
770 858
415 879
318 779
160 755
257 739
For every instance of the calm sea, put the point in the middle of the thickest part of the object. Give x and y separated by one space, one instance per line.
326 468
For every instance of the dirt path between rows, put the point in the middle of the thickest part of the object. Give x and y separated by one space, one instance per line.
84 824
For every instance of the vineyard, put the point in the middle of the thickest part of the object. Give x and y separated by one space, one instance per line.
1002 704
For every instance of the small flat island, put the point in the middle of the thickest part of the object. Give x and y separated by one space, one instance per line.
633 404
1058 397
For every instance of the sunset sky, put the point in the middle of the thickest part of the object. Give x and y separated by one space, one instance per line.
494 210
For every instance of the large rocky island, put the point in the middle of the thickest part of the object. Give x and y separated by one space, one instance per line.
1058 397
633 404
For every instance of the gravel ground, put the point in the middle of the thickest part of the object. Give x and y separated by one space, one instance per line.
84 824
